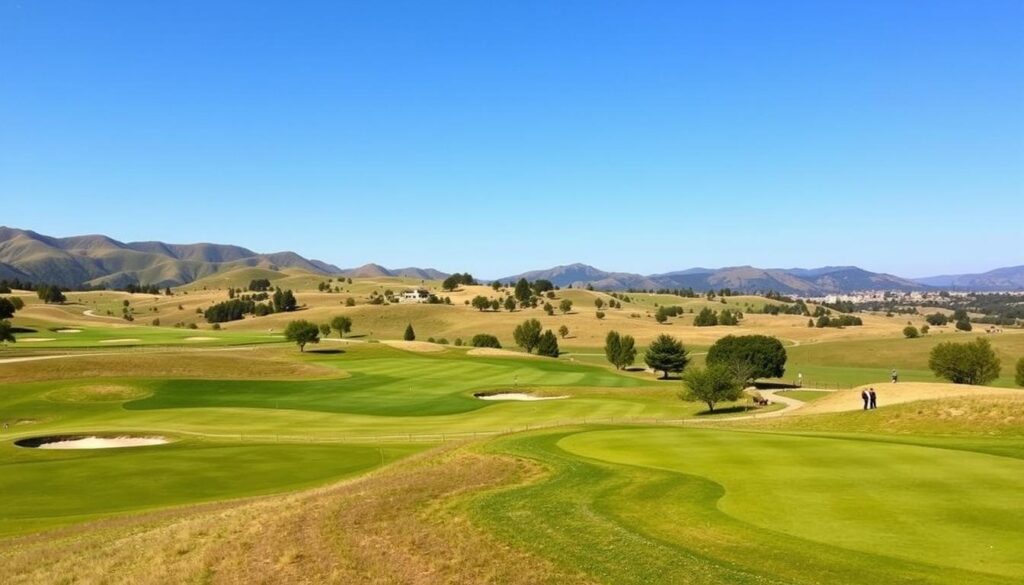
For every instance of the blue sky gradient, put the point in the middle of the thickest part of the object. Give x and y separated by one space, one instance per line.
500 137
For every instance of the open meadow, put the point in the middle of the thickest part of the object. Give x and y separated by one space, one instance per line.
370 458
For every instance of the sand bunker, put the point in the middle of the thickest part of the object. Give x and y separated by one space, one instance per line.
67 330
200 339
517 397
418 346
889 394
89 442
493 351
36 339
119 340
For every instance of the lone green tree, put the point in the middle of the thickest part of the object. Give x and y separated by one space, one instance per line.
523 291
342 325
481 303
409 334
527 334
973 362
563 331
547 345
6 333
510 304
749 356
666 354
7 308
565 306
619 350
911 332
599 302
302 332
325 329
711 385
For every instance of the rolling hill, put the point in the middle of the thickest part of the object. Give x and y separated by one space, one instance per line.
97 260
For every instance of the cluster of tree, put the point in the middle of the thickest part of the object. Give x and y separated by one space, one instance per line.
485 340
259 284
936 319
842 306
456 280
8 306
149 289
50 294
619 350
620 297
998 308
749 357
799 307
327 287
974 362
777 296
528 336
664 312
839 321
732 362
283 301
7 285
6 332
709 318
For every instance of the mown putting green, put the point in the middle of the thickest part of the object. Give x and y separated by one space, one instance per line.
700 505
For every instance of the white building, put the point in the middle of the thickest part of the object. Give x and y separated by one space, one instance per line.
420 295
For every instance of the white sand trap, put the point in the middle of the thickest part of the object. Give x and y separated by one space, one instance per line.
36 339
418 346
68 331
126 340
102 442
200 339
495 352
888 393
517 397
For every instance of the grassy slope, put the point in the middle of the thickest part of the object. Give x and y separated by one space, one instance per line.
688 505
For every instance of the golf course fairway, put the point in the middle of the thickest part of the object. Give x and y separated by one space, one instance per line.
723 506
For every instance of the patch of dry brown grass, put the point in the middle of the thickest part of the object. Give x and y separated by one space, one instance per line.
394 526
241 364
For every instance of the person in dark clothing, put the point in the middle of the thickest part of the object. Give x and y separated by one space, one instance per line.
874 399
864 396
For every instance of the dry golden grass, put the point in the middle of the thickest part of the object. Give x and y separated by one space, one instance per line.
395 526
457 320
242 364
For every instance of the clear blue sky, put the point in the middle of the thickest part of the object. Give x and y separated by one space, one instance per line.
498 137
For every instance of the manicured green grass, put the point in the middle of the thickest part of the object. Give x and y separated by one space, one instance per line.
805 395
45 488
387 382
864 361
713 506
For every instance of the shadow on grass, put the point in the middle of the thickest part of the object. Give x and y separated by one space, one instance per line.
325 351
774 386
728 410
359 336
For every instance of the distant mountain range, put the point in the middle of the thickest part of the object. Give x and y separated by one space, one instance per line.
97 260
796 281
1009 278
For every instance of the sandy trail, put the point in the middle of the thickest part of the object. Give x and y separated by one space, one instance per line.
496 352
417 346
517 397
888 394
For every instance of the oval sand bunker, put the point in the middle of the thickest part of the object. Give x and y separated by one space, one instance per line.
89 442
517 396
